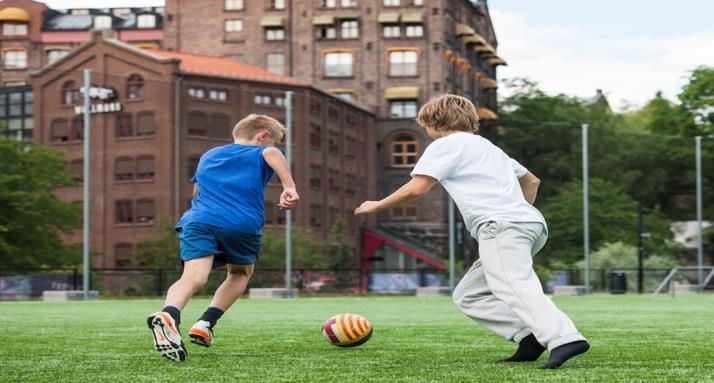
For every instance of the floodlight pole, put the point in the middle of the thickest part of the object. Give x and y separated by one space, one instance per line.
700 242
85 180
288 213
586 210
452 244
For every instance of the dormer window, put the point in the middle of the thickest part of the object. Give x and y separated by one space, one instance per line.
146 21
103 22
14 29
14 21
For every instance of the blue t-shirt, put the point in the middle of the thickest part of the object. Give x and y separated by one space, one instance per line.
231 189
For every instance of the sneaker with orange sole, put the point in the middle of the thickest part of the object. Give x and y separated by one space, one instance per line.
201 334
167 340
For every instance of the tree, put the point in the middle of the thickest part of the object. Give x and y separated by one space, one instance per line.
32 218
613 218
698 98
160 252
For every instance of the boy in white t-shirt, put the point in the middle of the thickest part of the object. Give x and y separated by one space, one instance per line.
495 196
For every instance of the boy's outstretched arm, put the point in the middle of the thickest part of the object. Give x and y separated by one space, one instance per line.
417 187
275 159
529 185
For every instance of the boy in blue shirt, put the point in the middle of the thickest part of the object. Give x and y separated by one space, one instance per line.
223 227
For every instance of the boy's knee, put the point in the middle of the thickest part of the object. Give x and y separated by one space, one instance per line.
241 270
196 279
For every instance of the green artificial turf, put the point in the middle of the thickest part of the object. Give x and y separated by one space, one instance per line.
634 339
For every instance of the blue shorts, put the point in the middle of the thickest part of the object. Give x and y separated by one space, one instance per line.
198 240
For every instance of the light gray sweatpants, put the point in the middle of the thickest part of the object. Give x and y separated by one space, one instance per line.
502 292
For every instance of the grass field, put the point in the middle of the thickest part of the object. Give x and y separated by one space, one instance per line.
634 339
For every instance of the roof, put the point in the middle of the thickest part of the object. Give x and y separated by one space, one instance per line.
226 68
83 19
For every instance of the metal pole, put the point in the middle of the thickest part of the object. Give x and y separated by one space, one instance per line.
586 210
700 244
85 180
452 244
640 249
288 213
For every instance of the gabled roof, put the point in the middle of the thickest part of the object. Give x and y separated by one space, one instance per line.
226 68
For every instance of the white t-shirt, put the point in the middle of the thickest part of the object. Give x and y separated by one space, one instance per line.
480 177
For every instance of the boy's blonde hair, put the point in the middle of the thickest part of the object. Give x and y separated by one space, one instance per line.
449 112
253 124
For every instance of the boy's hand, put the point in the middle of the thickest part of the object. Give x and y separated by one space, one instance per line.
288 199
367 207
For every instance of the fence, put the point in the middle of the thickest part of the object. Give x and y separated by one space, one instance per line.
154 282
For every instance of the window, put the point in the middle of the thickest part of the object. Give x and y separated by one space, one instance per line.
415 2
351 185
338 64
145 124
135 87
234 5
279 101
218 94
192 165
77 129
145 168
315 136
405 150
347 95
146 21
315 215
14 29
415 30
124 169
276 63
334 180
60 130
145 211
55 54
270 213
124 211
390 3
15 58
316 177
220 127
123 254
76 169
315 107
405 212
277 4
403 63
197 92
327 32
391 31
274 34
103 22
70 93
124 125
350 29
262 99
403 108
350 148
348 3
329 3
197 124
332 143
234 25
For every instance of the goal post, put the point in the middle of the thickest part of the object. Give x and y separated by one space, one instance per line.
676 270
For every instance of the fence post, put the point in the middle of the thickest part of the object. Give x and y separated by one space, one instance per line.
75 279
159 281
603 279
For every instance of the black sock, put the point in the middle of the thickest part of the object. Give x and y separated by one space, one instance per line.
561 354
212 315
174 312
528 350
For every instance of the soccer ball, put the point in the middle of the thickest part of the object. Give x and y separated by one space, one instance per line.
347 330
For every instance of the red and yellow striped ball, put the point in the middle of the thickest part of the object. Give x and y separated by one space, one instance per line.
347 330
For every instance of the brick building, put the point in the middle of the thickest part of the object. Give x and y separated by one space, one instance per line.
390 55
156 112
34 35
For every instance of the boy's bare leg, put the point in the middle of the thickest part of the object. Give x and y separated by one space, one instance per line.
233 287
228 292
195 275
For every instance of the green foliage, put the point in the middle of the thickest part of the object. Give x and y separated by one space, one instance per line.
613 218
32 218
162 252
618 255
698 98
